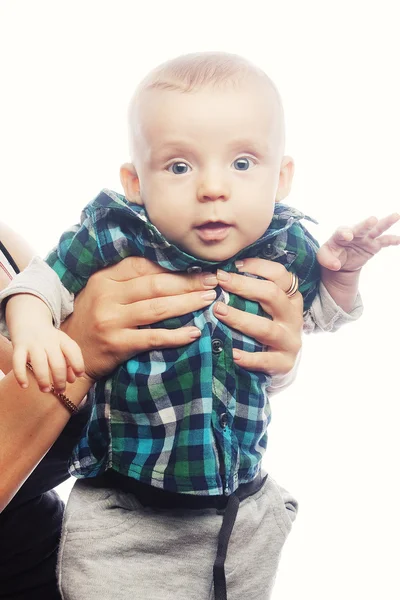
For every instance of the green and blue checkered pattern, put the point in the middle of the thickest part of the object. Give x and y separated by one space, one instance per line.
185 419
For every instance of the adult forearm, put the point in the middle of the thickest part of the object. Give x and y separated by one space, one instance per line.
5 355
30 422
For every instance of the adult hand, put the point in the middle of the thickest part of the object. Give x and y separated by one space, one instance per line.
282 335
119 299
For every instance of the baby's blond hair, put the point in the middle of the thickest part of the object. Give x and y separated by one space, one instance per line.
191 72
194 71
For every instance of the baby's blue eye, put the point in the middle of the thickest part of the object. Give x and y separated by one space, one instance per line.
179 168
242 164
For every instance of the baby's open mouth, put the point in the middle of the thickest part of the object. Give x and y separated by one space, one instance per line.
213 231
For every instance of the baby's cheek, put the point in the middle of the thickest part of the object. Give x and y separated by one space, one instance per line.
255 227
170 221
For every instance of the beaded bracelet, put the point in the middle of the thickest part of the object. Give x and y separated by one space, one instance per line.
70 406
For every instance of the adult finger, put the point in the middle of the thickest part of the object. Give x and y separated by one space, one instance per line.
273 363
265 331
129 342
132 284
164 284
266 293
267 269
134 267
143 340
131 267
147 312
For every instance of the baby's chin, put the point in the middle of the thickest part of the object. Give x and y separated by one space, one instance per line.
211 253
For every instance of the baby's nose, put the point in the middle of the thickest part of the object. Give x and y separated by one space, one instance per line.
213 187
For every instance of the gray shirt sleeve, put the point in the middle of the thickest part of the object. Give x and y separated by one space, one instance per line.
326 315
41 281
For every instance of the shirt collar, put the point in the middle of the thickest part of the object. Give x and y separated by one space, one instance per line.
283 218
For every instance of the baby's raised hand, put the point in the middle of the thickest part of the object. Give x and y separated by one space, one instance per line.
349 248
54 356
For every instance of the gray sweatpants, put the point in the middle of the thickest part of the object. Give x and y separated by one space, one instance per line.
113 548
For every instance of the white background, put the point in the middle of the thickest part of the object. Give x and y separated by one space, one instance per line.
67 72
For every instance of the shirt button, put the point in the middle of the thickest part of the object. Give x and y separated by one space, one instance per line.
195 269
217 346
268 251
223 420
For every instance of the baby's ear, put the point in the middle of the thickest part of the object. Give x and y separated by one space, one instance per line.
285 178
130 183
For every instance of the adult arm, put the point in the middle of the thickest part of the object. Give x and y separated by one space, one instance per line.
17 246
21 253
5 355
104 323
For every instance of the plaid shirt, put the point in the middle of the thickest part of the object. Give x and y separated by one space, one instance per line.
187 419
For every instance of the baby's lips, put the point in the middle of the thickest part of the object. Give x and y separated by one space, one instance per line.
213 231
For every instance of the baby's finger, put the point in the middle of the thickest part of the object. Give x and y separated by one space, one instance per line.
72 355
328 258
19 360
389 240
342 234
40 365
58 368
71 378
365 227
383 225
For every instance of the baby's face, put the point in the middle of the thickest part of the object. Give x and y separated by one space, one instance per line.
209 165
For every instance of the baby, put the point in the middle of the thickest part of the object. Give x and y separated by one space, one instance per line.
185 429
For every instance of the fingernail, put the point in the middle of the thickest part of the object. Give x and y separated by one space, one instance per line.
239 264
211 295
223 275
221 308
236 354
210 279
194 332
24 386
46 389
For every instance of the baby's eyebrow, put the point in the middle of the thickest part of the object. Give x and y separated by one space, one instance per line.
172 148
250 145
